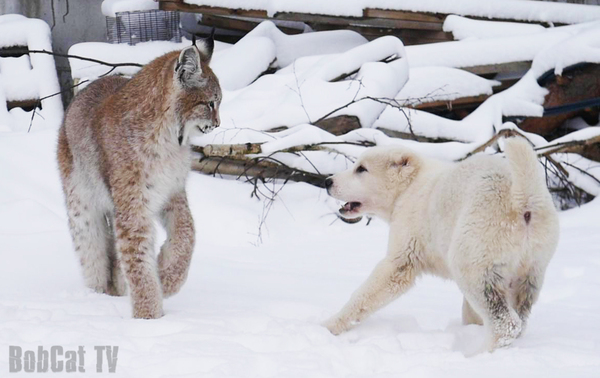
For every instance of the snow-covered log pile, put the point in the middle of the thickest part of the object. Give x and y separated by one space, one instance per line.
27 80
280 91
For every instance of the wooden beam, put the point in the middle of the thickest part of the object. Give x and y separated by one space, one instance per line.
498 68
24 104
450 104
404 15
13 51
237 23
179 5
357 21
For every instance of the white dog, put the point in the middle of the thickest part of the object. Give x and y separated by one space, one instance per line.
488 223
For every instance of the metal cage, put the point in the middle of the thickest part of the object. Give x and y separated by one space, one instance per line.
143 26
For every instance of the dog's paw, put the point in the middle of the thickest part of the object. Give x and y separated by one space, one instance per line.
507 332
336 325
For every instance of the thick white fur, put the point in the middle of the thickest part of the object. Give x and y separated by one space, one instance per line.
488 223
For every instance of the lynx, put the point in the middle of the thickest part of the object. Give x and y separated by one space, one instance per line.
123 155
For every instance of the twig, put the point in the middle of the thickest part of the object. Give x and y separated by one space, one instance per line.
505 133
37 104
27 51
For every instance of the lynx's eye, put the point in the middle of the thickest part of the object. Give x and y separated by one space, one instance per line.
361 169
211 105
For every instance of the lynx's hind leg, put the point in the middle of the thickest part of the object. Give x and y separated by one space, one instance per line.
176 253
90 233
118 284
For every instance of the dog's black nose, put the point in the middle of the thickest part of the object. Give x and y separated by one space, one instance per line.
328 182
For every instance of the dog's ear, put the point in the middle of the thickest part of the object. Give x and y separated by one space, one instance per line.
188 68
402 161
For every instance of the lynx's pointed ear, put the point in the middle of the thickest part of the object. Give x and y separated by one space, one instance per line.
206 47
188 68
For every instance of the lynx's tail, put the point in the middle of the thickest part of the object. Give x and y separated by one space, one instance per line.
528 185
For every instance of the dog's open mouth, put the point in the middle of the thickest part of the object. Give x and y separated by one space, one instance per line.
349 212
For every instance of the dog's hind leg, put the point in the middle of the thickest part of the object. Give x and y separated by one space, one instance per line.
526 289
391 278
489 296
469 316
176 253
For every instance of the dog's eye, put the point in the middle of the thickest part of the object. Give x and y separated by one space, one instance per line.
361 169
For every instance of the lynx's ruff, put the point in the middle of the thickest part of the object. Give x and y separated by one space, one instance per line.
123 158
488 223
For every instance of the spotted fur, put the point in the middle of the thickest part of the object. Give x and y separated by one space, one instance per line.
123 154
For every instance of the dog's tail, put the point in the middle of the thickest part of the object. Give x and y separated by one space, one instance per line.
528 185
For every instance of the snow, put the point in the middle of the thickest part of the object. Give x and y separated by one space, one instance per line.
252 309
533 11
476 52
428 84
110 8
28 77
305 87
465 28
257 292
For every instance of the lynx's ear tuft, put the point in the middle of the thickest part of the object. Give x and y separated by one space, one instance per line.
206 47
188 68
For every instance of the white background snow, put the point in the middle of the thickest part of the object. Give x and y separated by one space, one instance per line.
257 293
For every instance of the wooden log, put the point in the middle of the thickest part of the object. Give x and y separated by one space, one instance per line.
574 85
257 169
409 136
339 125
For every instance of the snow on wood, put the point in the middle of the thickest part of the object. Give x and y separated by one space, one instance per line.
532 11
28 77
110 8
466 28
377 82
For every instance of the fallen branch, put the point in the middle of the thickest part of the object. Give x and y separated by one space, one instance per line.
258 168
574 146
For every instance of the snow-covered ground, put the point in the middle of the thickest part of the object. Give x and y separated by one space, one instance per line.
253 309
265 275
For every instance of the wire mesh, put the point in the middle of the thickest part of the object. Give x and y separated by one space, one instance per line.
143 26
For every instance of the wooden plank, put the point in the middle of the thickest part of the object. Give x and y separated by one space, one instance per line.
498 68
242 24
408 37
346 21
178 5
13 51
451 104
404 15
24 104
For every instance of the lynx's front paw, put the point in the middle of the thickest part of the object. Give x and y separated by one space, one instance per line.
148 312
337 325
